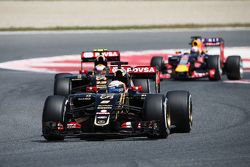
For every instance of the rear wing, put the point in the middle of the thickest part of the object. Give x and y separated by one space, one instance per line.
91 56
143 71
140 72
213 41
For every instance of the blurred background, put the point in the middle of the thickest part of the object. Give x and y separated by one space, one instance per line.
82 14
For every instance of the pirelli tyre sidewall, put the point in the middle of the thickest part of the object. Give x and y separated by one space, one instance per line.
53 113
62 86
234 68
215 63
179 104
155 110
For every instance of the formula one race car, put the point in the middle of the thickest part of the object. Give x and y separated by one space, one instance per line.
198 64
66 83
124 110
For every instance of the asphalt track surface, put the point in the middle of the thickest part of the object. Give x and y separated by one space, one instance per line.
221 111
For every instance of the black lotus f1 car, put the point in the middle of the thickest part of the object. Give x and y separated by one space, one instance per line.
134 112
125 114
85 81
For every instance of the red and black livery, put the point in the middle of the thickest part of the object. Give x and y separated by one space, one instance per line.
136 112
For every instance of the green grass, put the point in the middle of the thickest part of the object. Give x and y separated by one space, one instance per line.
132 27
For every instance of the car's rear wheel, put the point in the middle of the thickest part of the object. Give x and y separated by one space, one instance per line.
53 116
214 63
62 86
144 83
234 68
155 110
179 103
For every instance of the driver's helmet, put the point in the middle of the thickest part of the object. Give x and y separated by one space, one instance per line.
100 69
199 44
195 50
116 87
122 75
101 60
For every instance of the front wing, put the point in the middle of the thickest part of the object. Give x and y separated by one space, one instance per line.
128 129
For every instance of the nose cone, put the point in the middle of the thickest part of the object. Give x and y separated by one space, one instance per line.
181 68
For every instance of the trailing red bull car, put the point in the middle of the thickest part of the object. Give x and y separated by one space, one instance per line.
199 64
127 108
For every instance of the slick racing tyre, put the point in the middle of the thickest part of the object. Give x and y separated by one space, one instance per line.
62 75
155 110
234 68
144 83
53 113
62 86
179 103
157 62
215 64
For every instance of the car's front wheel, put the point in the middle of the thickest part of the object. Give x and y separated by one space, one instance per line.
155 110
53 117
62 86
214 63
179 103
234 68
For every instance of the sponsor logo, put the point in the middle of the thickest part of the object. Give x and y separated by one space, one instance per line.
213 40
88 55
83 98
135 69
103 113
87 97
105 101
103 78
102 117
107 54
73 125
105 96
101 82
101 121
104 107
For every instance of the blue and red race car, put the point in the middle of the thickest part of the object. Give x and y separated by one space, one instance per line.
199 64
